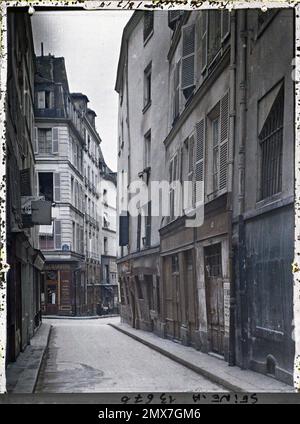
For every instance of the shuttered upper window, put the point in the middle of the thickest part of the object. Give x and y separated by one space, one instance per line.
148 24
218 141
188 60
46 140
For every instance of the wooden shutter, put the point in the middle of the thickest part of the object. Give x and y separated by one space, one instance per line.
204 45
41 99
188 57
225 24
191 148
123 230
176 93
57 234
55 140
224 135
36 141
57 187
199 158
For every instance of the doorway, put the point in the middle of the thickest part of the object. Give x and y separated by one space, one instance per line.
51 295
214 298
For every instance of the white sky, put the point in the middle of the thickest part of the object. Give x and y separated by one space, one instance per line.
90 43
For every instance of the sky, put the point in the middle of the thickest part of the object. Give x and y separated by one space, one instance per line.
90 43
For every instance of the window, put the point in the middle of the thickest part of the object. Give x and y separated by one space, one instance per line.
188 60
139 225
147 86
147 241
148 24
270 138
74 236
175 264
44 141
46 242
46 185
47 140
147 150
215 153
45 99
105 244
218 130
213 260
214 34
174 192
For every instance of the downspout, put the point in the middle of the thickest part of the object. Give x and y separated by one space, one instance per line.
232 122
241 190
128 133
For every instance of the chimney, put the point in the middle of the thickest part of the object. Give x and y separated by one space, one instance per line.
42 49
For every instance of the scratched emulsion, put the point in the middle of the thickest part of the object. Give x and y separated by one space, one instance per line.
2 201
296 264
135 4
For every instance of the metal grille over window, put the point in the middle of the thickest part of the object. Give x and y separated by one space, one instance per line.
270 138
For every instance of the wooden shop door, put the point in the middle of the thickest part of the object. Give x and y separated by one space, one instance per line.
214 298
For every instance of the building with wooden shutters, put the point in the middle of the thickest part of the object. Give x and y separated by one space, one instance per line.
24 277
222 282
68 158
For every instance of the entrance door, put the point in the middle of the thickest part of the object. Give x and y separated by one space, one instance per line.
214 298
51 295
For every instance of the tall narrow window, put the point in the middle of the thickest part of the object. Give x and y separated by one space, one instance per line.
270 138
147 85
215 153
214 34
46 185
44 141
147 150
176 92
148 24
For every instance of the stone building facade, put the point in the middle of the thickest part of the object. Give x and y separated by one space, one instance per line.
220 115
69 161
25 261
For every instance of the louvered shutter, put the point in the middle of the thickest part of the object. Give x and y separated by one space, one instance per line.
191 146
204 45
188 57
57 187
57 234
225 24
199 160
224 135
176 93
55 140
36 141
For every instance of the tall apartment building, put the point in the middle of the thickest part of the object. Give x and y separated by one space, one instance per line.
25 261
109 282
68 157
203 97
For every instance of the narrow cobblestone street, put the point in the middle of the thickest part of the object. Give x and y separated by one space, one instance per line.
91 356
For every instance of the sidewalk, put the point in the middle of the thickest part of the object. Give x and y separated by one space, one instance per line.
216 370
22 375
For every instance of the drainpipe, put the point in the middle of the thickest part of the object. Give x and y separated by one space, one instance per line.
232 121
128 134
241 189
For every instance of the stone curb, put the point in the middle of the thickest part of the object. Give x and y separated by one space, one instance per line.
45 317
41 360
199 370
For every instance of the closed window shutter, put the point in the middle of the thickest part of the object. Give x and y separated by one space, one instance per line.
191 147
36 143
57 187
41 99
57 234
204 45
224 135
51 100
176 77
55 140
225 24
199 159
188 57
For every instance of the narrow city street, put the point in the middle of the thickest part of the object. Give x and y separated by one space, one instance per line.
91 356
